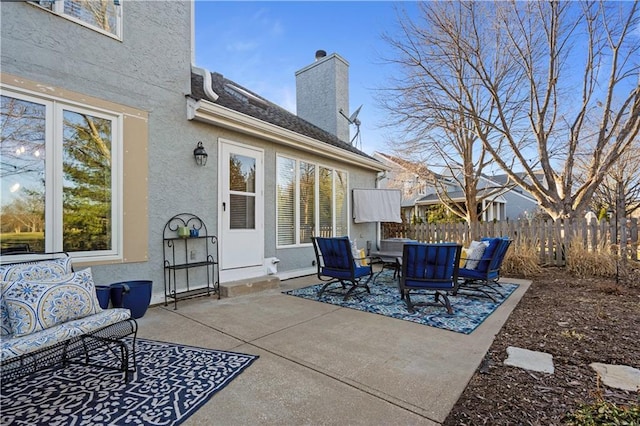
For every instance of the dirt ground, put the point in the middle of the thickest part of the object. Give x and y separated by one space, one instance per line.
578 321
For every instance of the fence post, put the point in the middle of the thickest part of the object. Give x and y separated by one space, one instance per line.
622 251
633 235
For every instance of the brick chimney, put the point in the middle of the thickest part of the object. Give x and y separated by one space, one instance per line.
322 90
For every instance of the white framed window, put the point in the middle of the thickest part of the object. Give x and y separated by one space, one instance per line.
422 187
310 200
60 174
105 16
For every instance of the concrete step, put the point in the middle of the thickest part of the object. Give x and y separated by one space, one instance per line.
252 285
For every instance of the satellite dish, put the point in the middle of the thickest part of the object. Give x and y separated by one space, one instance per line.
353 119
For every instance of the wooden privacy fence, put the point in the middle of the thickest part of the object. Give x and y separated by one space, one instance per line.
550 238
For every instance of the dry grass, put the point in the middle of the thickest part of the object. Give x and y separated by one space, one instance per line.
521 259
584 263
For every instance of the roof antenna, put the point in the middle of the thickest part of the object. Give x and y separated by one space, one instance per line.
353 119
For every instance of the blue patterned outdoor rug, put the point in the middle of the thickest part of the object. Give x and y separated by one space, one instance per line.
468 311
172 382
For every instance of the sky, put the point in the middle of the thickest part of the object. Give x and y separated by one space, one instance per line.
261 44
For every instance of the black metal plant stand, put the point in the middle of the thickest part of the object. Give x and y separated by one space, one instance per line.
188 247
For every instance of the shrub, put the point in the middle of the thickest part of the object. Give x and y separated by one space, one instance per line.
604 413
584 263
521 259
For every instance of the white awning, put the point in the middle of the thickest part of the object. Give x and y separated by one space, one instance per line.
376 205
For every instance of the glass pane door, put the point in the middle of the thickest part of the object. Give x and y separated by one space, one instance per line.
242 192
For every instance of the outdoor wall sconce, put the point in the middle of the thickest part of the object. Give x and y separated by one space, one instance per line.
200 155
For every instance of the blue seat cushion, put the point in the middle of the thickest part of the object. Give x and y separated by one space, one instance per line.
360 271
491 248
483 265
475 274
431 285
430 261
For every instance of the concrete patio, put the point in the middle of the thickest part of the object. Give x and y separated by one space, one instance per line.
323 364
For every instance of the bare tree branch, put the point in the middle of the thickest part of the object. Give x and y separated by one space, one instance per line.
523 83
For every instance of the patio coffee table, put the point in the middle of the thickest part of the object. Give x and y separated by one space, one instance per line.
389 260
390 255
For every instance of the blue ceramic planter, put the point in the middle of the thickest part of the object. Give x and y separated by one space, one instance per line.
103 292
133 295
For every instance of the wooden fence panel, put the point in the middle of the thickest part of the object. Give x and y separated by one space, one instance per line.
551 238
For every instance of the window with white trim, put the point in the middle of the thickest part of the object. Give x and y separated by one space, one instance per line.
102 15
60 176
311 200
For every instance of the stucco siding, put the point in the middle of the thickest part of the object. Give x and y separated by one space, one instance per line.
298 257
150 70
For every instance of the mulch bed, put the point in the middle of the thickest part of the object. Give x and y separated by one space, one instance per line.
578 321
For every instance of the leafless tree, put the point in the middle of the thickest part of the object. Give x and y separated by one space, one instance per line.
521 83
437 130
620 189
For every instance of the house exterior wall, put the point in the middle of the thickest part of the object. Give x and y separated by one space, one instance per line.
408 182
295 260
516 205
137 76
62 55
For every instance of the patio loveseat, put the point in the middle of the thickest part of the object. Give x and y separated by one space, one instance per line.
50 315
480 274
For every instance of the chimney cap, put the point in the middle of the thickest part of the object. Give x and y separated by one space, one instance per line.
320 54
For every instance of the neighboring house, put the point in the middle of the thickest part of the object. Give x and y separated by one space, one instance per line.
518 202
410 178
116 107
419 194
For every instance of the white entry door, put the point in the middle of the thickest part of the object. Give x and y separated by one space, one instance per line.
242 206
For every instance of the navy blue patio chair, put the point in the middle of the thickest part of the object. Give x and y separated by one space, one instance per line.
336 264
431 270
483 280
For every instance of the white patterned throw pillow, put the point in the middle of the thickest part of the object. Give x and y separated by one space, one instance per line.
36 305
43 269
474 254
36 270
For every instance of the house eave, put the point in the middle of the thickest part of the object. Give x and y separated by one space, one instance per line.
499 199
210 113
437 201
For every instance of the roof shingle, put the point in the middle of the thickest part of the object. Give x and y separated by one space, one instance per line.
242 100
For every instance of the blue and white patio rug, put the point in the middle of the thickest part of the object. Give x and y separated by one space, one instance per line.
468 311
172 382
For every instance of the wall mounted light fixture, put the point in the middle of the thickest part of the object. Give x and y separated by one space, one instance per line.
200 155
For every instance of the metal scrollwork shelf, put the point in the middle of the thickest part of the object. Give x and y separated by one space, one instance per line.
190 255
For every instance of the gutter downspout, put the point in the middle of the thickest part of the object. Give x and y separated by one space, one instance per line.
206 82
